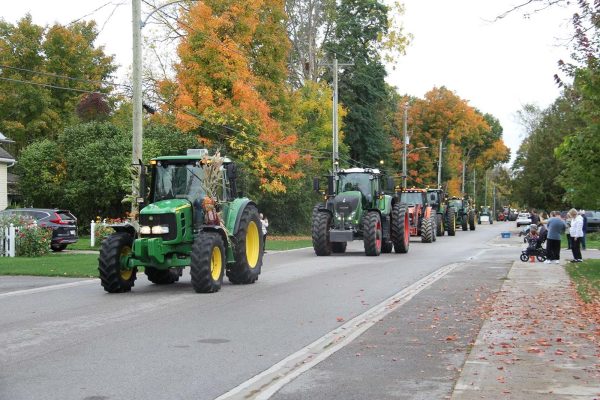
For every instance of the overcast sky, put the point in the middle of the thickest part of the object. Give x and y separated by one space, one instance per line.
497 66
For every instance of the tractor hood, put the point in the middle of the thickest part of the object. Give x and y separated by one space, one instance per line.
166 206
347 202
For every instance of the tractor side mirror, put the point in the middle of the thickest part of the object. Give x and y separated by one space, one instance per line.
142 188
331 185
316 185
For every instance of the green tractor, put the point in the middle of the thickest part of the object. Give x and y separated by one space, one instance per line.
357 208
485 215
194 217
445 216
465 215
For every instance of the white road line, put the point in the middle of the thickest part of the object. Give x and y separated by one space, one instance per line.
48 288
268 382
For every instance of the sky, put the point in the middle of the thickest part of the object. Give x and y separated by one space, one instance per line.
497 66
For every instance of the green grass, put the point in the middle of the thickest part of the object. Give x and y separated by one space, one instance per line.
83 244
592 241
61 264
586 276
288 244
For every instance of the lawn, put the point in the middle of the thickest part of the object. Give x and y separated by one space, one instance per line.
68 264
586 277
592 241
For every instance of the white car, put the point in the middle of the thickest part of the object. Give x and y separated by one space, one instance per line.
523 219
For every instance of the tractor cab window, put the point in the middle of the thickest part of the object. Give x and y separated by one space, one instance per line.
455 203
356 181
412 198
179 181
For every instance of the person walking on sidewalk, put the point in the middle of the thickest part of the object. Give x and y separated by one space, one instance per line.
556 226
576 232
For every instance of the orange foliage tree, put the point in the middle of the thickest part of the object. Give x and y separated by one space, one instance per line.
464 132
229 88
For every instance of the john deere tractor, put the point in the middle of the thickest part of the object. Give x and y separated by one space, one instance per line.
194 217
465 215
421 215
445 216
357 208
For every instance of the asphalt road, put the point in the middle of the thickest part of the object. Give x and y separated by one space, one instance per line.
68 339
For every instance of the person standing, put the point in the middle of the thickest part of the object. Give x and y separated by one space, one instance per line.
535 219
582 213
556 226
264 224
576 232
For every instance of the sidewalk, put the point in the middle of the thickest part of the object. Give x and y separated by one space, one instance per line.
534 345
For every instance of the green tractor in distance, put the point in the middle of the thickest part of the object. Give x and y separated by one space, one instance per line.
485 215
465 215
357 208
445 216
194 218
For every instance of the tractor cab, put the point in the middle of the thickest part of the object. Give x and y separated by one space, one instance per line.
421 218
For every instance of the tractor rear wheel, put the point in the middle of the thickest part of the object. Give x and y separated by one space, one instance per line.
400 228
115 277
321 223
439 225
248 248
162 276
427 230
471 220
208 262
372 233
338 247
451 222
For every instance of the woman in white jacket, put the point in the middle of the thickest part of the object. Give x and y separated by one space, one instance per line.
576 232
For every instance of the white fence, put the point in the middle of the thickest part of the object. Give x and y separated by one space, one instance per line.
8 241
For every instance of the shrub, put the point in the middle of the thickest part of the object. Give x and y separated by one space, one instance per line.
33 241
101 232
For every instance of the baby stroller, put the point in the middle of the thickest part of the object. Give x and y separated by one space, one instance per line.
535 245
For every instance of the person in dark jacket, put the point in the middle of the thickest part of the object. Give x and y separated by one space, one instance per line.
582 213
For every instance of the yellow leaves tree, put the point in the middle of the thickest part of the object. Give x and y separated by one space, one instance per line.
229 87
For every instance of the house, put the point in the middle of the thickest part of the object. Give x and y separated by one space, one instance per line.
6 161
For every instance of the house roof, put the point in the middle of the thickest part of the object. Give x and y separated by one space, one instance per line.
5 157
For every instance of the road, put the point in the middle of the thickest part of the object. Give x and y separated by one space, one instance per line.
68 339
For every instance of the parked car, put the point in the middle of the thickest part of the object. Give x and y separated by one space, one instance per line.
593 221
62 222
523 219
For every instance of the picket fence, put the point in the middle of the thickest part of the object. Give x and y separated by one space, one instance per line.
8 241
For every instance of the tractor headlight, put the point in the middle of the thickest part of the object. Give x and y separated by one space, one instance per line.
145 230
160 229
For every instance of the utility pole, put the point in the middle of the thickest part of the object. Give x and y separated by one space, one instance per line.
439 182
335 129
485 192
136 153
404 152
474 178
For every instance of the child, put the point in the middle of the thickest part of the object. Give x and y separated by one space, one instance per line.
533 240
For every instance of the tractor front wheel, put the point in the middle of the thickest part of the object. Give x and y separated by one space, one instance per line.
439 225
427 230
208 262
400 228
373 234
162 276
115 277
248 249
471 220
321 223
463 222
451 222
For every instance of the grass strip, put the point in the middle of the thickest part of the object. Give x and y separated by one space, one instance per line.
63 264
586 277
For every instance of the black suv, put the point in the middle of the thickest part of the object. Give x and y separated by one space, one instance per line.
62 222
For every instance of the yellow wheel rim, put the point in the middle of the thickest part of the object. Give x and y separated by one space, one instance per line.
125 272
252 244
216 263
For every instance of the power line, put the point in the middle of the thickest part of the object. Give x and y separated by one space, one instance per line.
50 86
64 76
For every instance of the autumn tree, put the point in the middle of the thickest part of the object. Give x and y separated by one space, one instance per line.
228 88
43 73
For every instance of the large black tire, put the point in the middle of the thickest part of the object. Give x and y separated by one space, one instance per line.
58 247
451 222
114 251
208 262
427 230
338 247
372 233
439 225
471 220
321 223
162 276
463 222
387 246
247 249
400 228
